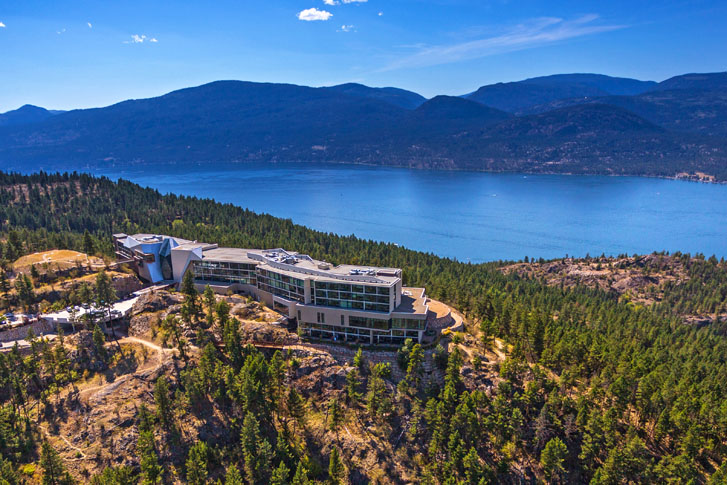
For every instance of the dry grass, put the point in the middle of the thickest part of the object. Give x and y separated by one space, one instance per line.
63 258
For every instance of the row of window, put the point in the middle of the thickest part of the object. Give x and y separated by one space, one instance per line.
224 272
347 295
353 305
351 288
281 285
408 323
365 322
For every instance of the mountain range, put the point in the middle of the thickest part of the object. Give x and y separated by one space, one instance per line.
566 123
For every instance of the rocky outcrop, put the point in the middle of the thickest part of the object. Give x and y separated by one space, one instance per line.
155 301
84 353
151 307
318 372
265 333
125 284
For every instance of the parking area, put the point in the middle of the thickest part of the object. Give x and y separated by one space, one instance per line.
118 310
15 320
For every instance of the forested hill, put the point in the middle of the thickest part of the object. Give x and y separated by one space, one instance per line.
351 123
596 387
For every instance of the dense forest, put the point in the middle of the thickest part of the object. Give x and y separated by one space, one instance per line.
595 389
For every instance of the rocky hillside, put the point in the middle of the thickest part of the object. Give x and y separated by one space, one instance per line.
655 280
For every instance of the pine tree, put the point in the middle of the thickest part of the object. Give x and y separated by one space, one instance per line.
190 292
4 284
122 475
552 458
301 475
352 393
210 301
54 473
88 246
280 475
34 273
196 465
151 471
358 360
256 450
233 476
99 341
163 403
335 415
8 475
295 406
415 368
336 469
105 295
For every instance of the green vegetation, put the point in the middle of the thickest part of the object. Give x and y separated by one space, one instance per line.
593 389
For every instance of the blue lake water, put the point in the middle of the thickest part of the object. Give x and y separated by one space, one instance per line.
470 216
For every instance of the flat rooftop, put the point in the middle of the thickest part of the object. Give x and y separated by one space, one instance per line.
299 265
413 301
228 255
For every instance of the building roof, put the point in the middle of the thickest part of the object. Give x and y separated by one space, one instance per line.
229 255
413 301
296 264
176 242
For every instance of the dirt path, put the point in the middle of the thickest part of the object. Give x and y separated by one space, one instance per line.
111 386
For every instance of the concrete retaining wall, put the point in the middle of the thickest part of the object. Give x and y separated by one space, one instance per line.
40 327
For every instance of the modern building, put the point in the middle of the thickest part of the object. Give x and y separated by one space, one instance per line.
345 302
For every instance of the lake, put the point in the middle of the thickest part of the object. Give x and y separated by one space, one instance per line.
470 216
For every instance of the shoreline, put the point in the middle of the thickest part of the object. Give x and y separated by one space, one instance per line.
699 177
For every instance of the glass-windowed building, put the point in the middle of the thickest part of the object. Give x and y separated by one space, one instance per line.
362 304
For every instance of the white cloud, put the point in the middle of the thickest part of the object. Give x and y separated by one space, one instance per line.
2 25
311 14
346 28
59 32
354 1
381 14
330 2
140 39
89 25
534 33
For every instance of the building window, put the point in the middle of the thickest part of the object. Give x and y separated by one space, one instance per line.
358 297
298 315
224 272
343 320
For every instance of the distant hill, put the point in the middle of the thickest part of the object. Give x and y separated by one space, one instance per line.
608 84
653 133
452 107
591 138
24 115
703 81
398 97
694 103
521 95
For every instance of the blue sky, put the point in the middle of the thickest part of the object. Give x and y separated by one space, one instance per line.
65 54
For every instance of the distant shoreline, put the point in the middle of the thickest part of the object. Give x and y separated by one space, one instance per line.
699 177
